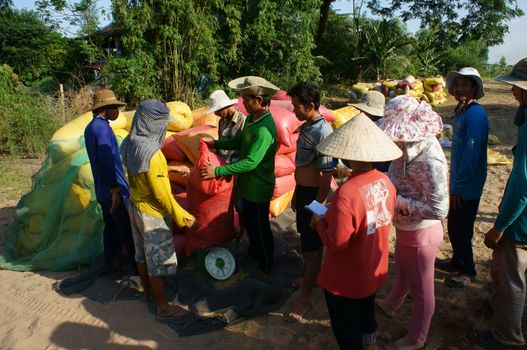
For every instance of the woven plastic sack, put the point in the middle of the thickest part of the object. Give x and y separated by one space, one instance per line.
57 225
280 204
285 121
210 201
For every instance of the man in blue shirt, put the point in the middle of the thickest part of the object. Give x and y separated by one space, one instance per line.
468 171
111 186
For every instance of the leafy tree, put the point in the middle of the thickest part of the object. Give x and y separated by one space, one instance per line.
132 77
472 54
27 120
278 39
460 21
29 46
6 6
197 45
427 52
176 36
83 15
383 43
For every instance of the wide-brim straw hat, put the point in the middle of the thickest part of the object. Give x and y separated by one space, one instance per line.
407 120
104 98
252 85
219 100
359 139
466 72
518 76
372 102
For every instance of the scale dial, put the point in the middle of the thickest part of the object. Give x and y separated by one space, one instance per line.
220 263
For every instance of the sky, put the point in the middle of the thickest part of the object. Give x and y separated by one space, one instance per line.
513 49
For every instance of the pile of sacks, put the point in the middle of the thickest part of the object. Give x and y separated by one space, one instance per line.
431 89
59 224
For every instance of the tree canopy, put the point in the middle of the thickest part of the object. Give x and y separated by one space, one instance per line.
199 45
460 21
32 48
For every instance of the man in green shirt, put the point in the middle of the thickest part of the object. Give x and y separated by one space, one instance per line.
255 168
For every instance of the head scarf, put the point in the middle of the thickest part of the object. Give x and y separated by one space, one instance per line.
146 137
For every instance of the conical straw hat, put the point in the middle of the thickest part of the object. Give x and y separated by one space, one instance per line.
359 139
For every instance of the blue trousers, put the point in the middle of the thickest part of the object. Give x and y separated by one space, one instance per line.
117 234
460 231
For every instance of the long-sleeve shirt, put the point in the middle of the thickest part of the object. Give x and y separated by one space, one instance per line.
468 168
152 195
512 217
420 177
255 169
105 160
355 235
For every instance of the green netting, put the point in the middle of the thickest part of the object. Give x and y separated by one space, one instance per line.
58 224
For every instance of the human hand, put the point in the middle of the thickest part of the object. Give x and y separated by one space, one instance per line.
208 172
184 170
116 201
493 238
314 221
341 171
190 222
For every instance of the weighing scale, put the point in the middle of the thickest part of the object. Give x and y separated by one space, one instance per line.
220 263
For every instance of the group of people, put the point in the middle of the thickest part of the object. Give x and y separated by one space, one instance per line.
396 173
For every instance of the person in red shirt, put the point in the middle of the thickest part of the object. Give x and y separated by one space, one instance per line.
355 231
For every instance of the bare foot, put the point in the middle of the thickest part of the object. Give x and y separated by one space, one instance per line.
299 311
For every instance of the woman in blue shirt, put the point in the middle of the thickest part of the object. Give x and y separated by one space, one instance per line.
468 171
508 237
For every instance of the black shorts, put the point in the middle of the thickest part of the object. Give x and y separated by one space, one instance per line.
308 236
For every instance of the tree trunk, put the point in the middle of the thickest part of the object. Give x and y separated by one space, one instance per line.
324 15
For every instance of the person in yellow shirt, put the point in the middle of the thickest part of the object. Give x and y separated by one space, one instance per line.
152 203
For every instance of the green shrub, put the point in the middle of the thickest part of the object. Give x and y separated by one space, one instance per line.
27 120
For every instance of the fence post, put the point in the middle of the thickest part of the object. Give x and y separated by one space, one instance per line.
62 107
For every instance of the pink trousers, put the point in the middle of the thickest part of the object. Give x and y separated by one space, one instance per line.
415 253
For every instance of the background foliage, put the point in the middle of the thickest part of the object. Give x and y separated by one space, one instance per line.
184 49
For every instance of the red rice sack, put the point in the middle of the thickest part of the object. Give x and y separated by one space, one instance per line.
283 184
324 111
291 149
285 121
283 165
281 95
210 201
172 151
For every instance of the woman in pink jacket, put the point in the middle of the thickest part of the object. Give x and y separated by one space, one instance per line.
420 177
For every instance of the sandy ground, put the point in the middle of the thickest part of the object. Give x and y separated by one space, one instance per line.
33 316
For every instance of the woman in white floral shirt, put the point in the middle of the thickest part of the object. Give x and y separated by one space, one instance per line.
420 177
